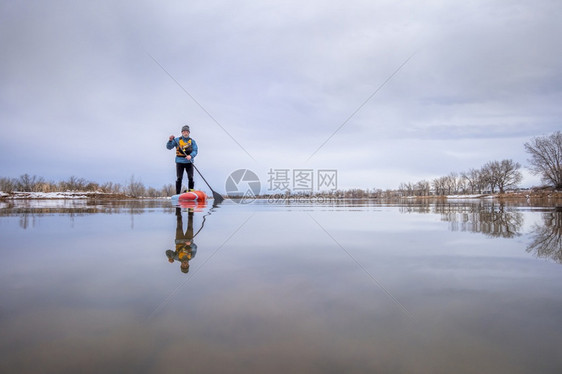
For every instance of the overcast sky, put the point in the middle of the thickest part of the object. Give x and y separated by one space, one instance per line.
94 89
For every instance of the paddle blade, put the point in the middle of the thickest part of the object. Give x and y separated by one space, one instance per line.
217 197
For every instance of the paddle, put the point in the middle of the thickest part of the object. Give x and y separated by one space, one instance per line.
216 196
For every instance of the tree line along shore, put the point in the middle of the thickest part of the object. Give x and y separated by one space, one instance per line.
451 186
495 178
27 184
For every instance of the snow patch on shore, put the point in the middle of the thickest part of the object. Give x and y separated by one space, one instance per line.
462 197
49 195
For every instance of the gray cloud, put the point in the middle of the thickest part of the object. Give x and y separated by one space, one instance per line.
280 77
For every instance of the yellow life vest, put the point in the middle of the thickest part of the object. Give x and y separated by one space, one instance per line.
185 146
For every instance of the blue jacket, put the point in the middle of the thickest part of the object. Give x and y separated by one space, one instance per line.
181 142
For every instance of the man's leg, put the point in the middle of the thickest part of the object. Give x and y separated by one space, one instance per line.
179 176
189 232
191 183
179 226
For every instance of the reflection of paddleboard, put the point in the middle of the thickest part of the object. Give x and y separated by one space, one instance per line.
192 205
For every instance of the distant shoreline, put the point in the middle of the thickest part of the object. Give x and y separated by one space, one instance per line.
541 194
67 195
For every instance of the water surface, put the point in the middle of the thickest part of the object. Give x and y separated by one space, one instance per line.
354 287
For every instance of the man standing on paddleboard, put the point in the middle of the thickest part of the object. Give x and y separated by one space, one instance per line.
186 150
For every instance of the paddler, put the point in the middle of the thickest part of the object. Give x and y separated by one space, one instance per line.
186 150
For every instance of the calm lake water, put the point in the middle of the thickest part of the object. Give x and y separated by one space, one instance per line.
355 287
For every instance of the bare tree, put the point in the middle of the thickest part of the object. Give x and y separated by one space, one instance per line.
7 184
439 185
472 181
135 188
546 158
152 192
29 183
502 174
480 181
168 190
451 183
377 193
488 175
74 184
422 188
509 175
462 185
405 189
110 187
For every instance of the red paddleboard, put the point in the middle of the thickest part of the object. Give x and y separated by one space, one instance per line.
191 196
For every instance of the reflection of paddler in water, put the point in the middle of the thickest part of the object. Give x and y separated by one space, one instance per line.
185 247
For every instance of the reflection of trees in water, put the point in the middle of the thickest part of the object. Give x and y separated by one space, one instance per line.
28 211
547 238
496 220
